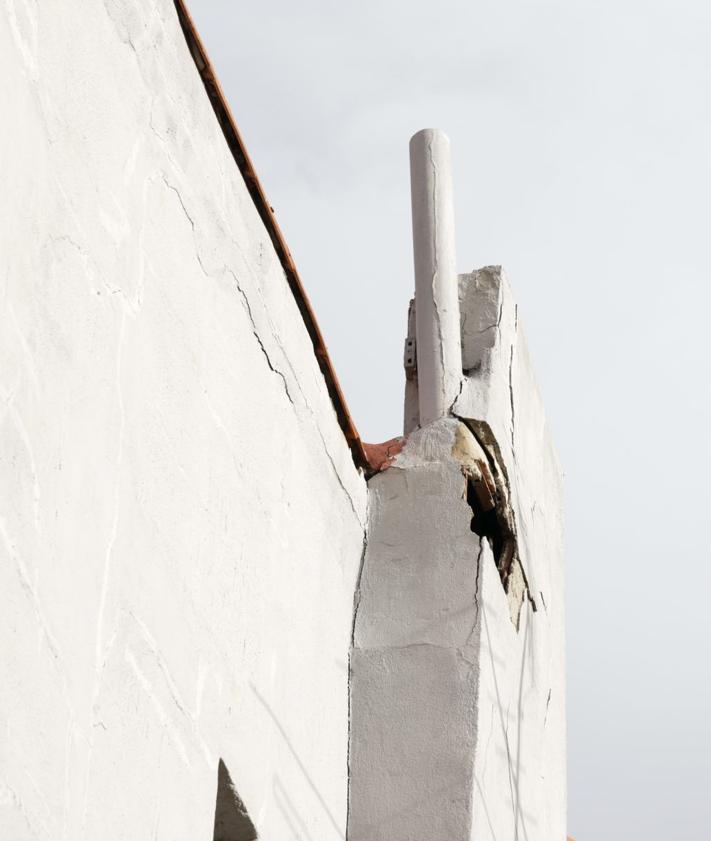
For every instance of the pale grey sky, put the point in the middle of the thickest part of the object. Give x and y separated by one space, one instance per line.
581 135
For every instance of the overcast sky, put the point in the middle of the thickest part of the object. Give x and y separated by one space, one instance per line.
581 137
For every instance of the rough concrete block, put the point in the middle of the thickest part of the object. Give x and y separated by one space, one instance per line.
465 554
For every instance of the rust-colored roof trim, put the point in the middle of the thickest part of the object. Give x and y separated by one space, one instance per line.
244 164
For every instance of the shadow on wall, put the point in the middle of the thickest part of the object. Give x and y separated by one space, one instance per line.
232 822
302 767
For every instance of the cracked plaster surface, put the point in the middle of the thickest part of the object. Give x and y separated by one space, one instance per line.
431 601
180 518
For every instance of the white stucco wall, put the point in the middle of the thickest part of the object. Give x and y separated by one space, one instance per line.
181 523
520 763
457 690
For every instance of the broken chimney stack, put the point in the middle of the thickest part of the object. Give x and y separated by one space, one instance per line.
457 692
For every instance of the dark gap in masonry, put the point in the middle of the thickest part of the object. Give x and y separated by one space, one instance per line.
491 525
232 822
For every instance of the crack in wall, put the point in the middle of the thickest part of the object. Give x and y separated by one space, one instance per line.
494 519
256 335
356 607
305 402
190 220
511 391
272 367
471 641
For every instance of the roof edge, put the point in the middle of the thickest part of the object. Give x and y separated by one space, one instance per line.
266 212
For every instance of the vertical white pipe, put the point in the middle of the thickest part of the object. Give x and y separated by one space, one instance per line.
439 349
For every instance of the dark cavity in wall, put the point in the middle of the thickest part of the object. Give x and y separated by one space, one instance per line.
489 496
491 525
232 822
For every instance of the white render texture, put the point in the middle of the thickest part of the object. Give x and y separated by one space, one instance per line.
457 687
181 523
521 696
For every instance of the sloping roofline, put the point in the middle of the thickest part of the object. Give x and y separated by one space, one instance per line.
266 212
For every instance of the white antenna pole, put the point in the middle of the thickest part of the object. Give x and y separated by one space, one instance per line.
438 333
